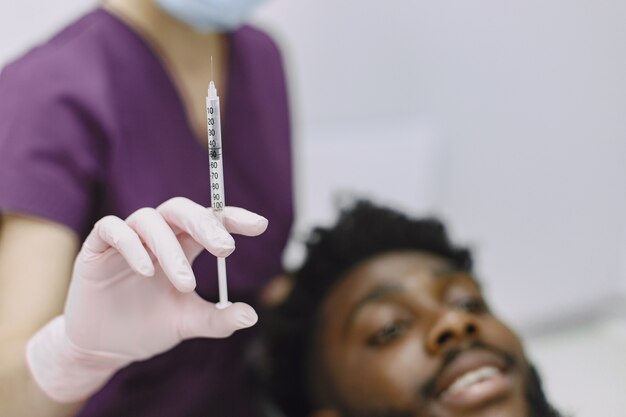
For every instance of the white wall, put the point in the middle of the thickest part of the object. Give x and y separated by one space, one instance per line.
342 160
526 101
584 368
531 98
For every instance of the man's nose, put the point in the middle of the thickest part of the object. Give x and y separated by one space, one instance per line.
452 327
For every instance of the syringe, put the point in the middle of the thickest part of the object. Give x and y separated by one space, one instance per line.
216 173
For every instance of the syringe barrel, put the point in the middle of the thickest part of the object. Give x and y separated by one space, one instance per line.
216 169
216 173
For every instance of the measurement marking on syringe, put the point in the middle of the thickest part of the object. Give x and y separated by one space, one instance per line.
214 153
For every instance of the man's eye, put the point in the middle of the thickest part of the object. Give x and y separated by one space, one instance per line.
388 333
472 305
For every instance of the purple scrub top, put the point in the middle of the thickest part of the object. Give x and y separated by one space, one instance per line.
91 124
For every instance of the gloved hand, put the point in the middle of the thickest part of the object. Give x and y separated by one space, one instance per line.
122 306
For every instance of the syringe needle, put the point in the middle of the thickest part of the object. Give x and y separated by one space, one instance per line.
212 68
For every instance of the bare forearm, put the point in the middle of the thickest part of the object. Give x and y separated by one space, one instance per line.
19 394
35 264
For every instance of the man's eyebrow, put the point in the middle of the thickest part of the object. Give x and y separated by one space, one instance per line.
382 291
450 272
377 293
446 271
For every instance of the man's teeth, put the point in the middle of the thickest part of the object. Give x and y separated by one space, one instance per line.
473 377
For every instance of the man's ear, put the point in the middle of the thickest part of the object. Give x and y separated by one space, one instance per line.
325 412
276 290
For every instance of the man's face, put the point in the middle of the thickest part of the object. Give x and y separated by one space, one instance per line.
404 334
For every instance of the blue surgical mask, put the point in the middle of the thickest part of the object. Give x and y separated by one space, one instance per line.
210 15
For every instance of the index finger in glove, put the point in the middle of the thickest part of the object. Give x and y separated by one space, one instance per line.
243 222
113 232
160 239
208 228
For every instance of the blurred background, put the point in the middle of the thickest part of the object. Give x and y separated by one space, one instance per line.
506 119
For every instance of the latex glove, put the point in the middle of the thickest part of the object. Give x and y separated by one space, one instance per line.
128 302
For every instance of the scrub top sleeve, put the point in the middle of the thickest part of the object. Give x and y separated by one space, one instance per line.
49 159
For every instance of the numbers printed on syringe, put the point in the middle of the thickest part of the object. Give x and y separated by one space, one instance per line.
214 153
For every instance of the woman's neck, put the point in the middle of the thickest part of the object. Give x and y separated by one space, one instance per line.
185 53
178 42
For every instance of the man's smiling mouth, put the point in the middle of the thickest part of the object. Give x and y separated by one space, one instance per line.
473 378
470 378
